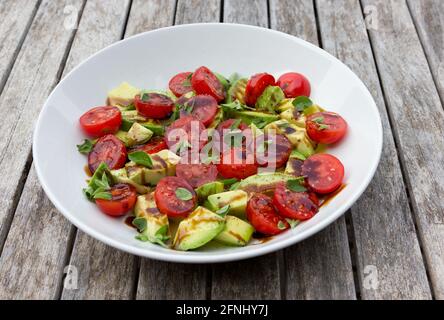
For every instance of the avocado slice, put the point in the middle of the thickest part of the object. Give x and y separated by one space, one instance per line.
284 105
123 95
123 136
138 134
237 91
236 232
132 116
237 199
208 189
263 182
217 119
270 99
164 164
121 176
199 228
152 224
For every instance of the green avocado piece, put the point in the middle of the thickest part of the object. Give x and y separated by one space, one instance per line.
259 119
270 99
138 134
208 189
156 127
135 173
236 232
263 182
164 164
237 91
123 136
237 199
131 116
154 225
121 176
199 228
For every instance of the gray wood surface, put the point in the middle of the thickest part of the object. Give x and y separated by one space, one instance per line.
399 266
396 229
417 118
319 267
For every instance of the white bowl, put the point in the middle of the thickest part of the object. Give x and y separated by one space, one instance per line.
148 61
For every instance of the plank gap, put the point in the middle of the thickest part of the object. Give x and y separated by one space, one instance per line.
127 15
176 4
400 157
282 264
353 253
209 280
318 25
66 260
222 4
136 277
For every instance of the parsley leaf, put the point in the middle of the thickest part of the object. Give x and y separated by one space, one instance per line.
184 194
292 222
301 103
281 225
296 185
85 147
142 158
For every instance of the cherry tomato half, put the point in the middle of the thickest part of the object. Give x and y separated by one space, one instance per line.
181 83
256 85
295 205
324 173
203 108
181 130
155 145
107 149
196 174
167 200
237 163
277 150
263 216
294 85
100 121
326 127
154 105
204 81
123 200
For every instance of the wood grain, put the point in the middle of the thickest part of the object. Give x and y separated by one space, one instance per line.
428 16
16 19
252 12
149 15
400 269
325 258
192 11
418 122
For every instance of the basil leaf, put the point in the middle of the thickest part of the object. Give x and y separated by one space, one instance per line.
141 237
161 233
318 119
281 225
293 223
187 81
88 192
301 103
295 185
229 182
142 158
103 195
140 224
184 194
323 126
85 147
298 155
223 211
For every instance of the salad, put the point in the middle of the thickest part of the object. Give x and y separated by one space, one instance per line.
212 159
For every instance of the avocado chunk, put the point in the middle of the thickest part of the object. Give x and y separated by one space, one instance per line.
263 182
237 199
237 91
236 232
259 119
152 224
296 135
156 127
293 117
208 189
138 134
123 136
121 176
284 105
135 173
164 164
270 99
132 116
199 228
123 95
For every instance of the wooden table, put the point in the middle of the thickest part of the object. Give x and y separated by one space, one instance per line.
389 246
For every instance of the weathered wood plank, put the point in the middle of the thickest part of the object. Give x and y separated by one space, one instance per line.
418 121
247 12
52 232
428 17
16 19
319 267
31 79
163 280
385 238
257 278
192 11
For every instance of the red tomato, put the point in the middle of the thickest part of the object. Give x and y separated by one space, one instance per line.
256 85
296 165
196 174
326 127
235 163
205 82
181 83
276 152
323 172
123 200
100 121
167 200
263 216
294 85
154 105
110 150
155 145
183 126
204 108
295 205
